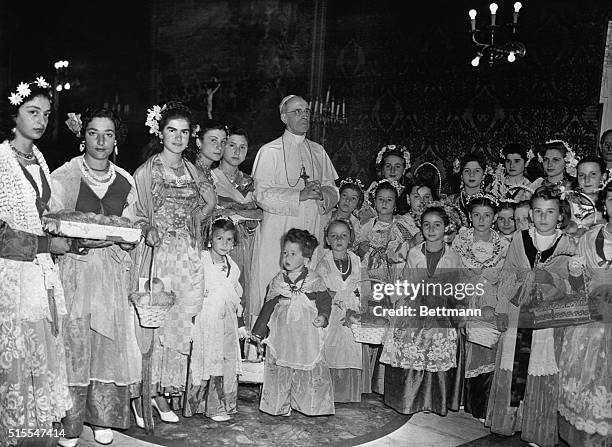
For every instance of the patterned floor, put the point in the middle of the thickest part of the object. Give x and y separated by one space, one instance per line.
351 425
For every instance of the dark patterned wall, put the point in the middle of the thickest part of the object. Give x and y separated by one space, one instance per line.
259 51
405 72
409 79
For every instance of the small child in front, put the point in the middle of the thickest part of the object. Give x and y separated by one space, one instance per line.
296 375
215 360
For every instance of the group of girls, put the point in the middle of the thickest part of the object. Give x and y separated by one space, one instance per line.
526 243
71 345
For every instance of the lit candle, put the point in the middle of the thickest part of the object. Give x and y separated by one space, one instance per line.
493 9
316 104
332 107
327 97
517 7
343 109
338 110
321 108
472 14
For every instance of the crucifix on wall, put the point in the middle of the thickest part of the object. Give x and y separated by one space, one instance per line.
211 88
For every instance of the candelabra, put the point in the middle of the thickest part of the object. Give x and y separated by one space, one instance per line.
492 50
60 83
328 112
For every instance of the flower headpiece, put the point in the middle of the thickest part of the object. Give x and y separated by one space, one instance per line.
23 90
399 188
196 129
508 200
352 181
571 161
393 147
456 166
153 119
529 154
454 213
487 196
74 123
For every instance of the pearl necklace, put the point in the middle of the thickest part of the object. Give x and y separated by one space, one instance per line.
88 174
339 267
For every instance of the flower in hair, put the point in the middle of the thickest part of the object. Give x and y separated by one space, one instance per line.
352 181
74 123
393 147
196 129
530 156
571 161
487 196
40 82
563 192
399 188
153 119
23 90
15 99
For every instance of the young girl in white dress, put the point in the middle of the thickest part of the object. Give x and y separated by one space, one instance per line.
341 272
215 361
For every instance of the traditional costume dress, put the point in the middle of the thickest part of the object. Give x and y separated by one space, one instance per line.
33 389
508 189
238 194
169 201
585 361
382 263
422 355
342 352
276 172
524 392
481 262
215 361
296 375
104 362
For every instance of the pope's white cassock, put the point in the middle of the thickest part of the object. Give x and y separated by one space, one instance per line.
276 172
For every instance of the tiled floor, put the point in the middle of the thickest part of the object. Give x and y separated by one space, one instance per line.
423 430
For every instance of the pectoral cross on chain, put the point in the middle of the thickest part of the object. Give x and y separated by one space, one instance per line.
303 175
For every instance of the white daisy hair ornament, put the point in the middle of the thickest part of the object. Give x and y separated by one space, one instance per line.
23 90
571 160
352 181
394 148
153 119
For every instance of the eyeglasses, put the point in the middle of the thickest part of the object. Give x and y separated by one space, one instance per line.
299 112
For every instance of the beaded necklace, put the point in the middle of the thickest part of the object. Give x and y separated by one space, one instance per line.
89 175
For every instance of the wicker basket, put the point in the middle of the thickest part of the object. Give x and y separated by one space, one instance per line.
372 335
151 315
152 307
482 333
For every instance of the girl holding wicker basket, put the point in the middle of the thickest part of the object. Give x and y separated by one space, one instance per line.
175 199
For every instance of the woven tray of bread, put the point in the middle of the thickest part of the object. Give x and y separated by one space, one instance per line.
92 226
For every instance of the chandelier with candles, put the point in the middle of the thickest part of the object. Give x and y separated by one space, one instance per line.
491 49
